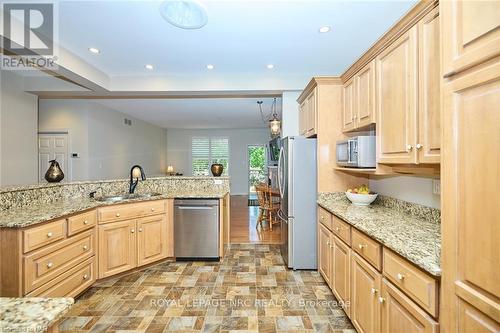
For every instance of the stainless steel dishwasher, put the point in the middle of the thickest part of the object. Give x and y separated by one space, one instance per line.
196 229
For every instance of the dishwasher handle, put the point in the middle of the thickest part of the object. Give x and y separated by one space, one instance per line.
196 207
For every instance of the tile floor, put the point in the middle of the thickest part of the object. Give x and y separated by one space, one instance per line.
249 290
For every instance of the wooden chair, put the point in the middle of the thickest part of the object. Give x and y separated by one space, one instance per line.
268 206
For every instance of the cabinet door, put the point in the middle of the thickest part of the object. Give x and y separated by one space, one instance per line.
117 248
471 159
303 118
366 284
400 314
151 239
348 111
471 33
396 100
341 272
311 113
471 319
365 96
324 252
429 109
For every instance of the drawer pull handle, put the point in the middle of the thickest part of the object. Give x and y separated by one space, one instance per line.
85 222
400 277
409 147
132 230
374 291
419 146
85 276
49 234
337 228
49 265
140 229
381 300
85 247
117 214
322 218
152 209
361 246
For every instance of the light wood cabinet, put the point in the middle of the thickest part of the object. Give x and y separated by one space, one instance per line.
367 248
471 319
397 100
308 111
400 314
302 118
152 239
117 248
341 272
324 252
348 110
366 289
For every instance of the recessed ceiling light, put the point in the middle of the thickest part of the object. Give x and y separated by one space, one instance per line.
94 50
184 14
270 66
148 66
325 28
209 66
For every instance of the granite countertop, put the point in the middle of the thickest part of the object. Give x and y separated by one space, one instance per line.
31 314
31 215
412 236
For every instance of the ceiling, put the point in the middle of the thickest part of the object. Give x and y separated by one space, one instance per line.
240 37
196 113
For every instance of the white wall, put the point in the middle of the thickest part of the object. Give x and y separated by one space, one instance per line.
290 114
179 151
107 148
407 188
18 132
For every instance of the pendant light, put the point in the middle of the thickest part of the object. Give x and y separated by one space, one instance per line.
273 121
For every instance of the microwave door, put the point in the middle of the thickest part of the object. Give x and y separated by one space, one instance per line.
343 153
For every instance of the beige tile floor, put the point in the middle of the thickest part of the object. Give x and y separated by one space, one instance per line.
250 290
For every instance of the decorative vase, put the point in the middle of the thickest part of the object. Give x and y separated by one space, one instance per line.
54 174
217 169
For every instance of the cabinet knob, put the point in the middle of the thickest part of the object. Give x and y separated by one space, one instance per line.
85 276
381 300
322 218
409 147
140 229
49 234
132 230
49 265
85 222
85 247
374 291
117 214
400 277
337 228
419 146
327 242
152 209
361 246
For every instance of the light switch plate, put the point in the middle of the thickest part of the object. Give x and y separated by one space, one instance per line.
436 186
218 181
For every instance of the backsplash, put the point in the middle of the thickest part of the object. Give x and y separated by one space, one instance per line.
22 196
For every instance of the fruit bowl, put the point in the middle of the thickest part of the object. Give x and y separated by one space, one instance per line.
361 199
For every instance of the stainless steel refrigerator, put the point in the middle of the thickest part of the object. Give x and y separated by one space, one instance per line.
297 174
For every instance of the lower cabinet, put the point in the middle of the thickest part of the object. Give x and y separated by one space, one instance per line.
341 273
324 252
151 239
117 248
400 314
365 306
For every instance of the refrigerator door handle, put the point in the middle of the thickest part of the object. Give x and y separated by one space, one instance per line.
280 172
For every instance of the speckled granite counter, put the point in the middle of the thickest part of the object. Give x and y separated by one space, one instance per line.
412 231
31 314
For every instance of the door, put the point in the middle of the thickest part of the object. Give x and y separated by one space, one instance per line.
365 308
311 113
151 239
53 147
400 314
365 96
324 252
341 272
429 109
397 100
348 109
117 248
256 157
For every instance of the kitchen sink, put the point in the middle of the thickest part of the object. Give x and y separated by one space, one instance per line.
121 197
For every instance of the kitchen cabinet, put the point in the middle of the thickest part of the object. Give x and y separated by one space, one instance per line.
152 242
400 314
348 111
117 247
397 100
308 115
303 118
366 286
341 272
324 252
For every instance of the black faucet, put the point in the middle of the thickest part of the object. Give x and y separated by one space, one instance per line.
133 183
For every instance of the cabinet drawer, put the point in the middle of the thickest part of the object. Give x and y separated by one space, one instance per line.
127 211
70 284
44 265
81 222
36 237
325 218
367 248
341 229
422 288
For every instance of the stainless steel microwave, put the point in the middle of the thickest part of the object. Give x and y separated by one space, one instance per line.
357 152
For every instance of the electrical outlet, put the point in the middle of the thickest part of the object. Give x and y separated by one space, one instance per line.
436 186
218 181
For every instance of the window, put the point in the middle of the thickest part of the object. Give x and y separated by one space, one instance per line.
206 151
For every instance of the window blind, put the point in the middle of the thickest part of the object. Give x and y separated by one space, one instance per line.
208 150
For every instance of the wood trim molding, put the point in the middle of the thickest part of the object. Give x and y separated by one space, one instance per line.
400 27
316 81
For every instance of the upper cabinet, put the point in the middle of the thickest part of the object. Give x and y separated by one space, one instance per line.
308 115
471 35
359 99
